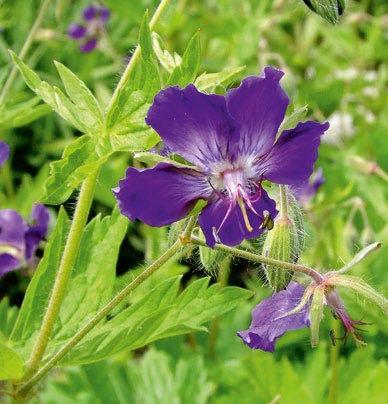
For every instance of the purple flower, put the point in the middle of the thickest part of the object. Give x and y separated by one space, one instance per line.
89 33
307 190
231 142
18 239
270 320
4 153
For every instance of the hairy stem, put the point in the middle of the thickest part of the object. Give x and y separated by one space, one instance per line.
68 258
263 260
172 251
25 48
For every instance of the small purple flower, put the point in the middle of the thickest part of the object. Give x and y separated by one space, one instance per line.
89 33
270 320
306 191
231 142
18 239
4 152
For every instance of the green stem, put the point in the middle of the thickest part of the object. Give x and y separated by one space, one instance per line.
283 202
263 260
25 48
6 173
68 258
136 55
334 355
174 249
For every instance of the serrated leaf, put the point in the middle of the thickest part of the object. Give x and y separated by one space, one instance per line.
38 292
187 71
208 81
81 96
11 364
93 276
168 61
160 313
62 180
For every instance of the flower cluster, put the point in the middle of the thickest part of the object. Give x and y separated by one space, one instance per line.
19 239
231 143
89 33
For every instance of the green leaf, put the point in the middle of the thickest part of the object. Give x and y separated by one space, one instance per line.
8 316
55 98
154 158
63 177
292 120
81 96
168 61
208 81
11 364
38 292
93 276
188 69
159 314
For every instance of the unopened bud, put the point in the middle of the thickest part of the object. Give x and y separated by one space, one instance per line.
330 10
211 259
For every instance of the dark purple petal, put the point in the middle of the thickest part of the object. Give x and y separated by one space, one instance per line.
90 12
291 160
267 322
12 229
194 125
40 218
104 14
161 195
89 45
4 153
76 31
258 105
233 230
8 263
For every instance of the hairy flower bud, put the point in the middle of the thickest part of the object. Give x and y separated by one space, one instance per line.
211 259
284 242
330 10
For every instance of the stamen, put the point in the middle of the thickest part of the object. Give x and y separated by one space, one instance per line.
245 214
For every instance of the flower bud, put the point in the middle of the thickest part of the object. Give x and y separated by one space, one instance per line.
284 242
211 259
330 10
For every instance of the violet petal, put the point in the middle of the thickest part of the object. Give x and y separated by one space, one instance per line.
267 322
161 195
194 125
258 105
76 31
37 231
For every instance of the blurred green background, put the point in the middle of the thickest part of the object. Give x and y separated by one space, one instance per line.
340 72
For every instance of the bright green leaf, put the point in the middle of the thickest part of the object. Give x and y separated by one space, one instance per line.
11 364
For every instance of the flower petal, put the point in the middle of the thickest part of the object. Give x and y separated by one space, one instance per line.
12 229
268 321
4 153
194 125
89 45
291 160
40 217
76 31
258 105
161 195
233 230
8 263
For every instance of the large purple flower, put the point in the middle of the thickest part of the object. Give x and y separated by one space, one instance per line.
231 142
270 319
4 152
19 239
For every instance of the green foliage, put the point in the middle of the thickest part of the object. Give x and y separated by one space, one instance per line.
11 364
161 313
